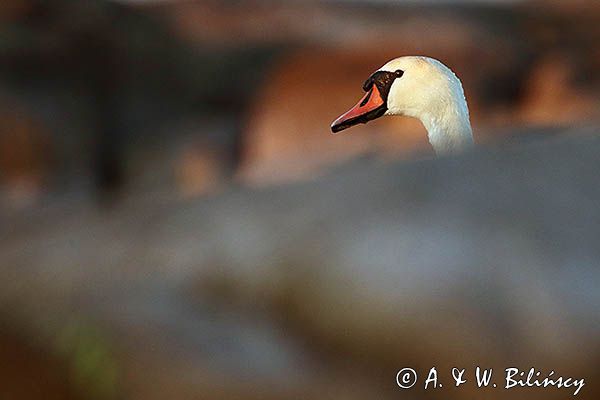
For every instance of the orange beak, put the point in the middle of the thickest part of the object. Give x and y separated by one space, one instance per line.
371 106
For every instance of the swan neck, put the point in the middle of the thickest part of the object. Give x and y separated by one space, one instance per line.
449 132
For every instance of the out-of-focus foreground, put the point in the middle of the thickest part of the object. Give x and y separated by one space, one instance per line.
177 221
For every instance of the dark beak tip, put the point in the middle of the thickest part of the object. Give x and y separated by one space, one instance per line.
338 127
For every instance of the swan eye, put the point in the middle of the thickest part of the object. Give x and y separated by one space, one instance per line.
399 73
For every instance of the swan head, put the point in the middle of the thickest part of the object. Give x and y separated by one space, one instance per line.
418 87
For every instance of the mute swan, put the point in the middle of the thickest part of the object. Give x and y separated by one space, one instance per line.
418 87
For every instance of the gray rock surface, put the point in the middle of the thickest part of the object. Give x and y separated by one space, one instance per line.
490 257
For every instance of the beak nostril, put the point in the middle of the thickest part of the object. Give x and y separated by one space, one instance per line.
366 99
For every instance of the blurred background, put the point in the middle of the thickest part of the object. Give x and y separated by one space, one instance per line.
177 220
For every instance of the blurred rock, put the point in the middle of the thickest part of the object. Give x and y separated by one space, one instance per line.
490 258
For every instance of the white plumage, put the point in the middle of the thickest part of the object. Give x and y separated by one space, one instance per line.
432 93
